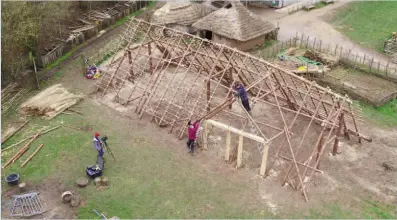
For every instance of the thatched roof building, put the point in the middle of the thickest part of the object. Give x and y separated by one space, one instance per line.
234 25
181 15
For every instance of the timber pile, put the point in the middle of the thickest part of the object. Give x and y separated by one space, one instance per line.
50 102
10 96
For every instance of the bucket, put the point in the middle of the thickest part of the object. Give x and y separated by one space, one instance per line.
12 179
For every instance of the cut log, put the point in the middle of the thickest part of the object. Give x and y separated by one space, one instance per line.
105 181
75 201
12 134
97 181
44 132
31 156
82 182
67 196
21 151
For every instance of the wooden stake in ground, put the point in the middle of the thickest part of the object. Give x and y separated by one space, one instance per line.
31 156
21 151
14 132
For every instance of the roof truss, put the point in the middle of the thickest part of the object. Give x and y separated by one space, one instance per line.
173 77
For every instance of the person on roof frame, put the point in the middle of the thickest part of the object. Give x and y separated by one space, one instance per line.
192 135
242 93
98 144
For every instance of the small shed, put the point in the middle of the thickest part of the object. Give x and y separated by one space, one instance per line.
181 16
235 26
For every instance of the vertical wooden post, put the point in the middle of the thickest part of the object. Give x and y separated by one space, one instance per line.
370 65
319 149
205 136
264 159
301 40
364 59
338 134
227 149
336 48
307 42
314 43
378 66
321 42
240 151
208 95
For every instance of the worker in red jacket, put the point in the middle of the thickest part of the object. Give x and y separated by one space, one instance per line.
192 135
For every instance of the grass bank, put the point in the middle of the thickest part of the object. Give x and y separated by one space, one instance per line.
367 23
385 115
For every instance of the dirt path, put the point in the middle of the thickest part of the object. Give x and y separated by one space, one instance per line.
312 23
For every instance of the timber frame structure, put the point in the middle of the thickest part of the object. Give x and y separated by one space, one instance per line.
174 77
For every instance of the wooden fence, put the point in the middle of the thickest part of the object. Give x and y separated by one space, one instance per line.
116 13
350 58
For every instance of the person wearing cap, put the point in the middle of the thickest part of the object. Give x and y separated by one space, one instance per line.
242 93
192 133
98 144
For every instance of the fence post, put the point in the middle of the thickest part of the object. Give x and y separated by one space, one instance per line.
378 65
364 59
301 40
296 39
355 61
387 67
336 48
307 42
348 55
321 41
370 66
314 43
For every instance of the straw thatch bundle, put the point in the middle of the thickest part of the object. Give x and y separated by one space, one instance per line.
50 102
180 13
235 22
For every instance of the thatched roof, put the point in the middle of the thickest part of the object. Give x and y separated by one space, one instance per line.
180 13
236 22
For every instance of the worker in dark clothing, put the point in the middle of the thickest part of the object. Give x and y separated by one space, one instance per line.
242 93
98 144
192 135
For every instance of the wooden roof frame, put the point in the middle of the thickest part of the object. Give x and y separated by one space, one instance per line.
220 66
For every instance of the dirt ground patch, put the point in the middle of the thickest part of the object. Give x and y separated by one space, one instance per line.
50 191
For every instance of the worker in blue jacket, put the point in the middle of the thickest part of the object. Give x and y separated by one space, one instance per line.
242 93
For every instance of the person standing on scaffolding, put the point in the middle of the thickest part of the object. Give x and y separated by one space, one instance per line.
242 93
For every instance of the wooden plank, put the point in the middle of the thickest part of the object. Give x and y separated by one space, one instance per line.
227 149
240 151
31 156
264 159
236 131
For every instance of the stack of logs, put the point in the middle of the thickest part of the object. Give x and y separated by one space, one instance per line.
11 96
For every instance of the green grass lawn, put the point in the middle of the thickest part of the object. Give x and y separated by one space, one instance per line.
146 181
385 115
368 23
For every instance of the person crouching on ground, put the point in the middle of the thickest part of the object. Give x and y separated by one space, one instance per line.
242 93
192 133
98 144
